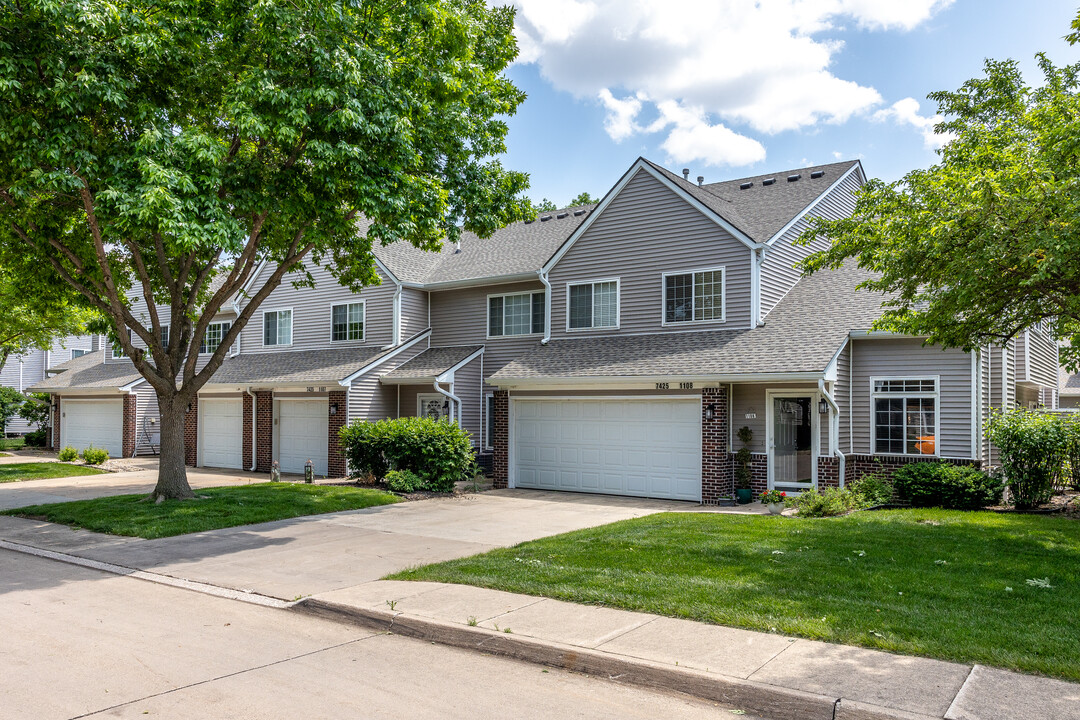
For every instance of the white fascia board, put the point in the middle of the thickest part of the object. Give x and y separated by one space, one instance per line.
424 335
605 382
386 271
250 281
448 375
883 335
133 384
806 210
831 370
641 164
471 282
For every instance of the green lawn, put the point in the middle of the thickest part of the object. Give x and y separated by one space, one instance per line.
214 508
15 443
40 470
944 584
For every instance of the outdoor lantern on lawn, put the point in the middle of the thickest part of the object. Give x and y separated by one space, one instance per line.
275 472
309 472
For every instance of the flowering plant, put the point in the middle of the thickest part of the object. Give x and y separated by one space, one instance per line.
773 496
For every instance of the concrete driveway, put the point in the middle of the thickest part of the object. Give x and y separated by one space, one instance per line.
288 559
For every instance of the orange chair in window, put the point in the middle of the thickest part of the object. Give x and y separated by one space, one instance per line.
926 444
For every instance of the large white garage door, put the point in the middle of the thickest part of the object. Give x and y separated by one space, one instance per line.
93 422
221 432
302 434
642 447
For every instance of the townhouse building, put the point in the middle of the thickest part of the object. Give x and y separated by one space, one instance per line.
22 372
612 348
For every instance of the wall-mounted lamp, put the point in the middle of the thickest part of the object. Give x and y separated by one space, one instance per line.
710 411
189 407
822 407
333 408
446 406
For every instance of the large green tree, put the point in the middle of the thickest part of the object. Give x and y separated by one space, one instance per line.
986 242
149 148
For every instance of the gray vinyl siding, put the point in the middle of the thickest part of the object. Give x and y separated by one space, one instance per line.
748 397
23 371
648 230
778 273
141 313
414 312
842 395
371 400
1027 395
468 386
1037 358
311 313
147 420
904 357
459 317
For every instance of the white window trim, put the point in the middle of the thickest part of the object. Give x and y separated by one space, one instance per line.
292 326
80 351
217 322
488 442
422 398
722 269
363 320
487 315
117 347
936 396
167 328
618 305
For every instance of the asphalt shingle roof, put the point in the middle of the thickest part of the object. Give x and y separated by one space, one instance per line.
300 366
802 334
89 372
432 362
1068 383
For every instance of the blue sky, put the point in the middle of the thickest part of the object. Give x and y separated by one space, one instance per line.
731 88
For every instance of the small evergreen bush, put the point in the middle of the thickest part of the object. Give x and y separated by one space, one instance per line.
35 438
95 456
68 454
826 503
439 451
404 481
939 484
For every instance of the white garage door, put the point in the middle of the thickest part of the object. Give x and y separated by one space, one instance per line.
642 447
221 432
93 422
302 434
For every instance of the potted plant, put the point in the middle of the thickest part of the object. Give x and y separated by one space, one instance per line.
743 475
774 500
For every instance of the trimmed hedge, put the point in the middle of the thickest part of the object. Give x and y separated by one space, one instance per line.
939 484
438 451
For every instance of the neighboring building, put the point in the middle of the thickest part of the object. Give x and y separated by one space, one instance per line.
24 371
1068 390
614 348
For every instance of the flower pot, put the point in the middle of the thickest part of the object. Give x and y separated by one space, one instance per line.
775 508
744 495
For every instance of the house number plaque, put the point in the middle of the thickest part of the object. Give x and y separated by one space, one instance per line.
682 386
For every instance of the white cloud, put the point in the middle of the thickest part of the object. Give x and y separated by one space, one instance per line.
906 112
760 67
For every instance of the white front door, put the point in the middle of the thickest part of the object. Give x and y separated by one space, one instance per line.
303 434
221 432
93 422
432 405
646 447
792 430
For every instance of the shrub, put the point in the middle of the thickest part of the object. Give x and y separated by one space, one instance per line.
404 481
826 503
875 488
35 438
938 484
95 456
743 473
437 450
1032 448
68 454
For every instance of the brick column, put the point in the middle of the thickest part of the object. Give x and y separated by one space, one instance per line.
246 434
335 460
828 471
264 431
128 434
501 458
717 475
54 426
191 434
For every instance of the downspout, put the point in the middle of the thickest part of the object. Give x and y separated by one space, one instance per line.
547 306
451 397
254 428
397 320
834 429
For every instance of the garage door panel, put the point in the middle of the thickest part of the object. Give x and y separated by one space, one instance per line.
221 432
303 434
644 447
93 422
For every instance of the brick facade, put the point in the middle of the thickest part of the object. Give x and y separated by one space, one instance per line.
717 469
248 414
859 465
54 426
128 433
264 431
828 472
501 454
191 434
335 460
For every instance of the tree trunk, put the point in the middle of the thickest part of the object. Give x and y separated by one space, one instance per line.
172 481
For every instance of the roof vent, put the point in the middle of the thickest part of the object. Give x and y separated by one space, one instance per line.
816 174
579 213
768 181
545 218
700 180
793 178
561 215
746 186
686 174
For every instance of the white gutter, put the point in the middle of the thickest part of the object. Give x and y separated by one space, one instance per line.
454 399
397 319
254 428
547 306
424 335
834 430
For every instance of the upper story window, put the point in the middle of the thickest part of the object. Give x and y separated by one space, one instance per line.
516 314
593 305
215 333
164 335
905 415
347 321
75 352
696 296
277 327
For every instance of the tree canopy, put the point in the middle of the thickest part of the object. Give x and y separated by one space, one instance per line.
986 242
164 150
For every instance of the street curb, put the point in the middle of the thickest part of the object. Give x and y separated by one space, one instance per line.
774 702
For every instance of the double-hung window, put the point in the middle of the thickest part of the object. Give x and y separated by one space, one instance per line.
696 296
593 305
277 327
516 314
215 333
905 415
347 321
164 336
76 352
